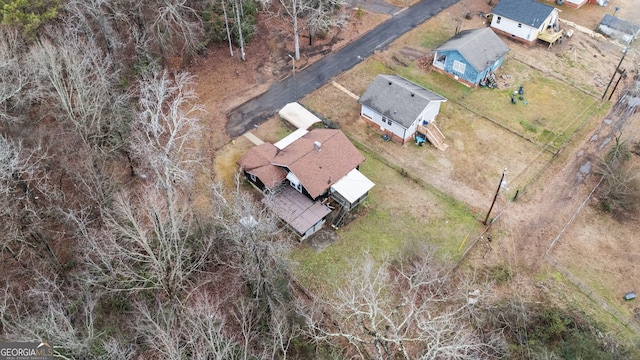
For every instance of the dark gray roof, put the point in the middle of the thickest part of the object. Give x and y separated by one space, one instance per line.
398 98
527 12
480 47
620 25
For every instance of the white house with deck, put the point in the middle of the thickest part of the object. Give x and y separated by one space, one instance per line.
397 106
526 21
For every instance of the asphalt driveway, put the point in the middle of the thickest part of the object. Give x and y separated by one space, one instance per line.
260 108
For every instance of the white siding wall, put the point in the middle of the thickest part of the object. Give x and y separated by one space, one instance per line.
549 21
507 25
430 112
377 119
367 112
411 129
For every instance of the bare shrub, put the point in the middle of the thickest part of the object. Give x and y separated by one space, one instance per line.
407 308
620 189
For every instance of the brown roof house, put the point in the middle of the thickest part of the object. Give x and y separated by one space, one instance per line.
304 172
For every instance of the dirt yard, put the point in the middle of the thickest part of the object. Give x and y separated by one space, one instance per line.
598 248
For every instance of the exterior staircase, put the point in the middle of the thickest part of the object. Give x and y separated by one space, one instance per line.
337 222
434 135
278 188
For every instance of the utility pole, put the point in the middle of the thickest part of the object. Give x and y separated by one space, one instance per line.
622 74
624 52
495 197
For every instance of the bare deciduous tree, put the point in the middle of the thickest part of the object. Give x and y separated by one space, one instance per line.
151 242
47 312
177 26
322 16
620 189
294 9
13 77
255 247
98 19
250 236
23 187
166 127
410 310
194 330
79 80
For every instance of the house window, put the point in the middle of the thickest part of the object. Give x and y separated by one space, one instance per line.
498 20
442 58
459 66
520 25
297 186
387 120
252 177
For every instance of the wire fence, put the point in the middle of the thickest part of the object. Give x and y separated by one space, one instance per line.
593 295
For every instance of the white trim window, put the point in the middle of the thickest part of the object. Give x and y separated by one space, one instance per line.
459 66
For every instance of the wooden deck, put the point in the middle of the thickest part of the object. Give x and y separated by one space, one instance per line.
550 36
434 135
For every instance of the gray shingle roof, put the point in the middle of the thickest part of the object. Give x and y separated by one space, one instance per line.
398 98
527 12
620 25
480 47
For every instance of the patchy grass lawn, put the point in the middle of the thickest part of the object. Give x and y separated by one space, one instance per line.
479 149
398 210
547 113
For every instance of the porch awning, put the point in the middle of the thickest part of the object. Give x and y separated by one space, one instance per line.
353 186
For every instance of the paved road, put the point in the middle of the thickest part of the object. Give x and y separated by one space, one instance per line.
260 108
375 6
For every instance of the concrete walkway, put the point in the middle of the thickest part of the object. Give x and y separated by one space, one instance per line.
345 90
254 139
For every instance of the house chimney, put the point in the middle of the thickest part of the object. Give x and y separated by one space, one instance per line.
317 145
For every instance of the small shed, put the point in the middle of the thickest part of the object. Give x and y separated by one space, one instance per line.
470 56
618 29
298 116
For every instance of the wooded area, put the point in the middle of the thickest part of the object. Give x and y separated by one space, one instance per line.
105 254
